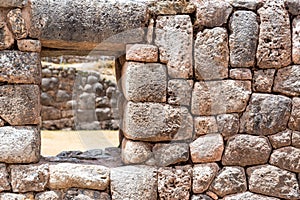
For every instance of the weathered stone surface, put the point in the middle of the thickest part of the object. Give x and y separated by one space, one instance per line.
13 3
171 7
17 23
293 6
240 74
19 67
172 153
248 4
203 175
287 81
80 194
211 54
144 82
29 45
12 196
248 196
286 158
4 178
294 122
19 144
156 122
180 91
219 97
211 13
207 148
245 150
266 114
133 182
263 80
228 124
67 175
142 53
201 197
205 125
296 139
274 44
48 195
281 139
174 183
2 122
264 180
6 37
230 180
50 113
243 38
296 39
28 178
174 37
135 152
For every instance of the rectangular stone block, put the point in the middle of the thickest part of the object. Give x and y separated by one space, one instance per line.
28 45
180 91
142 53
19 144
20 67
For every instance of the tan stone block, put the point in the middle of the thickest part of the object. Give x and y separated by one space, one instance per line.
29 45
142 53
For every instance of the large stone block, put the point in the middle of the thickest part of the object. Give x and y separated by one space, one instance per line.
296 39
273 181
4 178
133 182
20 67
19 144
294 122
67 175
134 152
286 158
7 38
243 38
266 114
211 54
174 37
17 23
248 196
219 97
156 122
274 45
144 82
281 139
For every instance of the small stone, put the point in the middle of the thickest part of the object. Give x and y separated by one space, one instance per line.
174 38
17 23
92 80
265 179
296 139
240 74
63 96
212 195
6 37
142 53
245 150
248 196
248 4
29 45
28 178
180 91
133 182
263 80
13 3
205 125
287 81
50 113
211 54
48 195
4 178
171 7
201 197
266 114
294 122
228 124
207 148
286 158
12 196
230 180
296 39
174 183
169 154
103 114
134 152
2 122
150 32
203 175
293 6
281 139
83 194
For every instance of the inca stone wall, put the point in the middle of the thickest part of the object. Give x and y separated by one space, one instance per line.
211 106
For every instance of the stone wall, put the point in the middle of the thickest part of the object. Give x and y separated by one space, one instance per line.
210 108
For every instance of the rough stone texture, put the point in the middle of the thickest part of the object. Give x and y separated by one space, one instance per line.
274 44
211 54
240 74
245 150
13 3
286 158
205 125
4 178
296 39
248 4
19 144
294 122
19 67
179 91
144 82
296 139
171 7
28 178
201 197
281 139
79 194
17 23
175 183
287 81
6 37
228 124
135 152
133 182
243 39
266 114
230 180
211 13
264 180
142 53
203 175
156 122
248 196
207 148
67 175
219 97
29 45
293 6
263 80
12 196
174 37
172 153
49 195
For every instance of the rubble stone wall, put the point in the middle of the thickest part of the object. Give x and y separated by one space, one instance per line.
211 107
